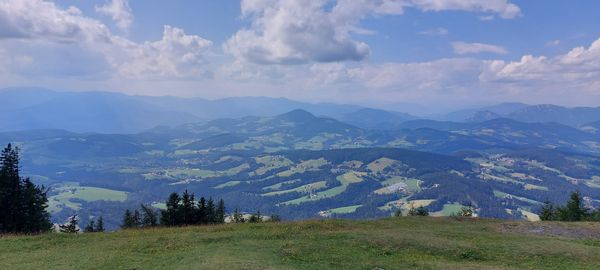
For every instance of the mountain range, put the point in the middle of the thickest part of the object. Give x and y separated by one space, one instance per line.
106 112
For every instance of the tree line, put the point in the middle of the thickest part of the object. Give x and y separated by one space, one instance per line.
180 210
573 210
22 203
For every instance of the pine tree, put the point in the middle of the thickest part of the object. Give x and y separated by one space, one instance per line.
10 190
548 212
149 216
99 225
128 220
90 227
210 211
171 216
574 210
220 212
187 208
137 219
70 226
201 212
22 204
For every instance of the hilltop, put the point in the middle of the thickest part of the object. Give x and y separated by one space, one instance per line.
416 243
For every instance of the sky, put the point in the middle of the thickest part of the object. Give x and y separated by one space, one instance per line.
393 54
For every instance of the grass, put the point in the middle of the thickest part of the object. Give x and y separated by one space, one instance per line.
504 195
448 209
228 184
402 243
307 165
301 189
345 209
378 166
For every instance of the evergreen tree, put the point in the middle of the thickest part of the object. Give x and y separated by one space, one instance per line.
149 216
574 210
171 216
220 212
419 211
137 219
210 211
201 212
70 226
22 204
90 227
548 212
34 201
128 220
187 208
99 225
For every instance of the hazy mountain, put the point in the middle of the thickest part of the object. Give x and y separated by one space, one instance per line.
36 108
470 114
552 113
376 119
83 112
482 116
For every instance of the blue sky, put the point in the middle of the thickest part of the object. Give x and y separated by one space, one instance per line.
384 53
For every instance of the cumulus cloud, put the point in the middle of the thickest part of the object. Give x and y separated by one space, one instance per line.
32 27
293 32
298 32
119 11
579 66
175 55
462 48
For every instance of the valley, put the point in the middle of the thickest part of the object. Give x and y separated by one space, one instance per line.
301 166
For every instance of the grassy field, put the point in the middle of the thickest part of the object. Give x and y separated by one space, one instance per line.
89 194
402 243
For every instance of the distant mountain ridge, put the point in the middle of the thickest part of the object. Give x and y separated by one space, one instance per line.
542 113
108 112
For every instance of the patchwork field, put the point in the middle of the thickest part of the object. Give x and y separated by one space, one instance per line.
66 194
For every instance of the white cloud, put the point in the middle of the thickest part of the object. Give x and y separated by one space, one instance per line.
299 32
42 20
579 67
175 55
293 32
42 29
119 11
462 48
503 8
